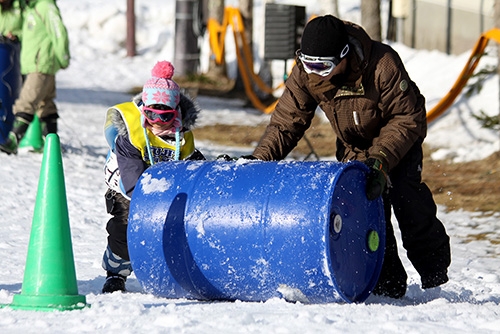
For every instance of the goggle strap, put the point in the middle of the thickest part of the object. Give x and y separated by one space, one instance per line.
344 52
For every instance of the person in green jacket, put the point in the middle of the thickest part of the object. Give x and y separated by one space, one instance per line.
11 20
44 51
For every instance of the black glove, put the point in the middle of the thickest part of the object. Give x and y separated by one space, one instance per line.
225 157
376 180
248 157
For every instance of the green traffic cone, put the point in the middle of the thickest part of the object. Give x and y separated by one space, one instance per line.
49 276
33 138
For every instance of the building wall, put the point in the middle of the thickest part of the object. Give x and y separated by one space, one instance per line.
434 25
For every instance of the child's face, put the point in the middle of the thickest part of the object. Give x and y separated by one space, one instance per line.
160 116
161 127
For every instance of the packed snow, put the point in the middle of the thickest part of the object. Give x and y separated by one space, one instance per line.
100 75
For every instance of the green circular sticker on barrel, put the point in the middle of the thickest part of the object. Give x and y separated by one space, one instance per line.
373 241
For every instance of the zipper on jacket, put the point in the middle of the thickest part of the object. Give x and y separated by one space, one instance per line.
355 116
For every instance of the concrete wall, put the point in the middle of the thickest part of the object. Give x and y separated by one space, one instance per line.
434 25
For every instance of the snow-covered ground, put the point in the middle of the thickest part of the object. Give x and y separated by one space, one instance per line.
100 75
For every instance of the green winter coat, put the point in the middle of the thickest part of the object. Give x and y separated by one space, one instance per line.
44 43
11 20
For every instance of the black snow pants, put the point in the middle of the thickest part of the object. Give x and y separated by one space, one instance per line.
118 206
423 234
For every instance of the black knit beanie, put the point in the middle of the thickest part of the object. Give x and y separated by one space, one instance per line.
324 36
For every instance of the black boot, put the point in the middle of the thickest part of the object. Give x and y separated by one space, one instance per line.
433 280
392 280
114 282
18 130
49 124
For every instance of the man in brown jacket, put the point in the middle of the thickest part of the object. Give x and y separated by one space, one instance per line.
379 117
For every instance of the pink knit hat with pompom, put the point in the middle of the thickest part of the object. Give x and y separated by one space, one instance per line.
161 89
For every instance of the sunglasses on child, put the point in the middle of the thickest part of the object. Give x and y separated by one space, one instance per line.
162 114
321 65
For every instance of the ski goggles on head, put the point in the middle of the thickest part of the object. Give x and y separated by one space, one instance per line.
321 65
159 115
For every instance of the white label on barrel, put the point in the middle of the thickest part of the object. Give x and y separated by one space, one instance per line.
337 224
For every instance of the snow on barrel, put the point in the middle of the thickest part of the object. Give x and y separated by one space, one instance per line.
253 230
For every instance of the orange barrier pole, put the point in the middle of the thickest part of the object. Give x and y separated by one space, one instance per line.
468 70
217 32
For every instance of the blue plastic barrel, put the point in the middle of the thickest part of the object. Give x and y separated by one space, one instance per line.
253 230
10 84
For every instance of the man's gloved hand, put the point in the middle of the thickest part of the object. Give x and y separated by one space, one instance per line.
376 179
248 157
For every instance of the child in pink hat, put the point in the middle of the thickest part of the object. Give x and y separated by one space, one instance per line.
154 127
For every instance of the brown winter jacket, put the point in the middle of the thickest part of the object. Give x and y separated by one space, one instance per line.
375 109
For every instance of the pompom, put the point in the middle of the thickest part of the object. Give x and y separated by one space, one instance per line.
163 69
